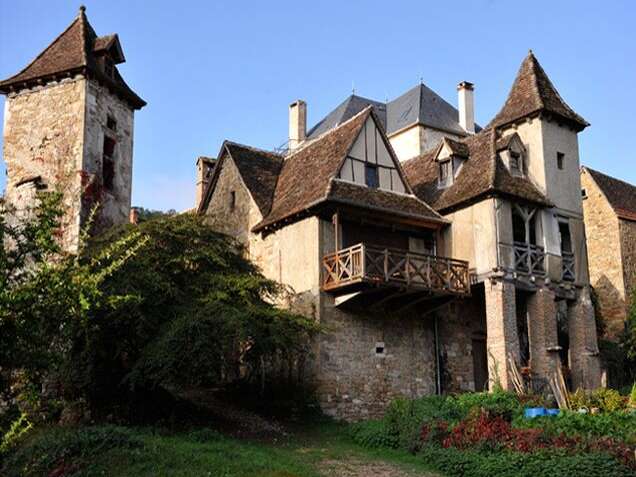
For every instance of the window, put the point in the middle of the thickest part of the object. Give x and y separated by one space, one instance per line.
111 123
371 176
379 349
515 162
109 67
232 200
583 194
108 163
445 172
560 159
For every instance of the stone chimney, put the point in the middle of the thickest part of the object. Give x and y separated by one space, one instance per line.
297 123
466 106
205 167
133 217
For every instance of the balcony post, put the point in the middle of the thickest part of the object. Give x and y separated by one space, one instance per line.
386 264
336 226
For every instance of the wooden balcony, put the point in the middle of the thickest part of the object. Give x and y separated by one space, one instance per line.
528 259
567 264
368 265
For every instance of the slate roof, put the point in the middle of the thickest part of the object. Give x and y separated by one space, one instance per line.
345 111
620 194
419 105
481 175
533 92
73 51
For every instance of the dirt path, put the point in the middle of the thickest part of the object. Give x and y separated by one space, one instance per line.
358 468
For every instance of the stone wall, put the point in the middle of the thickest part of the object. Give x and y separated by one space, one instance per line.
585 366
101 104
628 255
231 205
542 333
604 249
501 328
43 136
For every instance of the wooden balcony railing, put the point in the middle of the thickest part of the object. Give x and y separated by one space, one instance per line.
567 264
362 263
527 258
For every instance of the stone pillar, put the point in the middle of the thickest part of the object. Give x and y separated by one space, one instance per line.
502 339
543 333
585 366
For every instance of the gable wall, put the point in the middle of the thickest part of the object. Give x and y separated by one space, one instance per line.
369 147
628 254
604 254
237 222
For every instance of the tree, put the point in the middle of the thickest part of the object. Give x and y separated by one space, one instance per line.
47 296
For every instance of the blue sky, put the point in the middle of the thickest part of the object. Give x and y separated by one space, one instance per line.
216 70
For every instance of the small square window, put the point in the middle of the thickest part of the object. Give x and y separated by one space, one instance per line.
232 200
379 348
560 160
111 123
371 176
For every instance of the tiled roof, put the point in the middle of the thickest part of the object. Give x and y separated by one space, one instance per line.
533 92
419 105
286 187
378 200
457 148
620 194
305 176
481 174
73 51
259 170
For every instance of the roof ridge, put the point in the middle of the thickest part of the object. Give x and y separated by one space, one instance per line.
607 175
253 148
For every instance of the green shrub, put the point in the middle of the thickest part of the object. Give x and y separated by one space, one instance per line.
65 449
501 403
455 462
602 398
373 434
205 435
617 425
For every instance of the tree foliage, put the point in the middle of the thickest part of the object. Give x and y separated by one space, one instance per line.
166 304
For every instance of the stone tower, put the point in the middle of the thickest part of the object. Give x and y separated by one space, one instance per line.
68 126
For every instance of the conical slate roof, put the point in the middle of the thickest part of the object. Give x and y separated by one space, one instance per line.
73 51
533 92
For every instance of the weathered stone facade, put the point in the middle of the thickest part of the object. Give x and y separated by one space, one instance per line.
44 137
611 245
68 127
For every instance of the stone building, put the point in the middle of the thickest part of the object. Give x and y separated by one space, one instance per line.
68 126
609 210
432 250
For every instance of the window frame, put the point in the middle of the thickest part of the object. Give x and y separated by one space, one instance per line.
445 166
560 160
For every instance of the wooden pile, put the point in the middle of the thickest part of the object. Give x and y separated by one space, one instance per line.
559 389
515 377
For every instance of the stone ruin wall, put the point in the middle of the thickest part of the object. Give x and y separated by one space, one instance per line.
43 136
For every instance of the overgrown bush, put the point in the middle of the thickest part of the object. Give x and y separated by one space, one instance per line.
64 451
479 463
616 425
606 400
373 434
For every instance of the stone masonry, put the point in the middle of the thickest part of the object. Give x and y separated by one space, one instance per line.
501 325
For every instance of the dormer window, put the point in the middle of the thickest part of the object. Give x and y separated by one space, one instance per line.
109 67
515 162
445 173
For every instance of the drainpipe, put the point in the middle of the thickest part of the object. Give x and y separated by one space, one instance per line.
438 373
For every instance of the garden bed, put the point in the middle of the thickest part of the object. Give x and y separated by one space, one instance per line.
487 434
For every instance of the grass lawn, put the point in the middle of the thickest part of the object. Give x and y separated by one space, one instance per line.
322 449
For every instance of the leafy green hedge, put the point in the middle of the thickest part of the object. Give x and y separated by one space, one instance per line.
455 462
373 434
65 450
618 425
